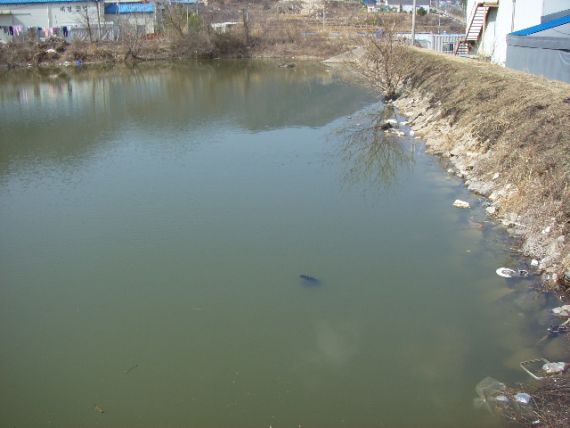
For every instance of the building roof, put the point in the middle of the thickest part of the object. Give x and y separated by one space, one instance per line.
541 27
17 2
121 8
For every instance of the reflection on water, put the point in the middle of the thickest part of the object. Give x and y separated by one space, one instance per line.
370 154
159 218
89 107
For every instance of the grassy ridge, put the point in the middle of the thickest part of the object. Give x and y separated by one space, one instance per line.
518 126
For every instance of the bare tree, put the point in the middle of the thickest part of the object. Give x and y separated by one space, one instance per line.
386 64
175 19
131 38
246 28
88 21
371 154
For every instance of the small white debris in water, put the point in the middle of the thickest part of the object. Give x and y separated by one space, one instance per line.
534 263
404 123
392 121
522 397
461 204
554 368
412 133
562 311
506 272
491 210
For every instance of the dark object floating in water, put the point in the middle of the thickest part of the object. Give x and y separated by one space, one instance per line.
130 369
567 100
310 280
555 330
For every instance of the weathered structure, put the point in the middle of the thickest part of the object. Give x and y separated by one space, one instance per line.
47 17
490 21
85 19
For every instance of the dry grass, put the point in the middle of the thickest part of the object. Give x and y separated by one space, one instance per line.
520 121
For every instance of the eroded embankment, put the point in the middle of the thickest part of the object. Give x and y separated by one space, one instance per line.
508 135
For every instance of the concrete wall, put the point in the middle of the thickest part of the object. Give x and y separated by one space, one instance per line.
553 6
487 41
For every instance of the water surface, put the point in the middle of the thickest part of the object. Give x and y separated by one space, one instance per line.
153 226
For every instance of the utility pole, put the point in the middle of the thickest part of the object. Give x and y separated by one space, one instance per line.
414 23
438 18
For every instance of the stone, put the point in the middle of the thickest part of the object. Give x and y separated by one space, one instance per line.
461 204
482 187
562 311
491 210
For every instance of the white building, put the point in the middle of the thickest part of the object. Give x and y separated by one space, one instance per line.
47 17
84 19
489 22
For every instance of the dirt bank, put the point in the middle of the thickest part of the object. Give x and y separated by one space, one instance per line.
508 135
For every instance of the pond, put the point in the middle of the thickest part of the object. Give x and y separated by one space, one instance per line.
154 226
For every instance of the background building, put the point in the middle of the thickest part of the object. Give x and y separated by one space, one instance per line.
47 17
489 22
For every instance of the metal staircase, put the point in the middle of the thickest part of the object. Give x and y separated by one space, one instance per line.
475 24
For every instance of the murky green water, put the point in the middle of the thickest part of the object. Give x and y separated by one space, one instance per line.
153 226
